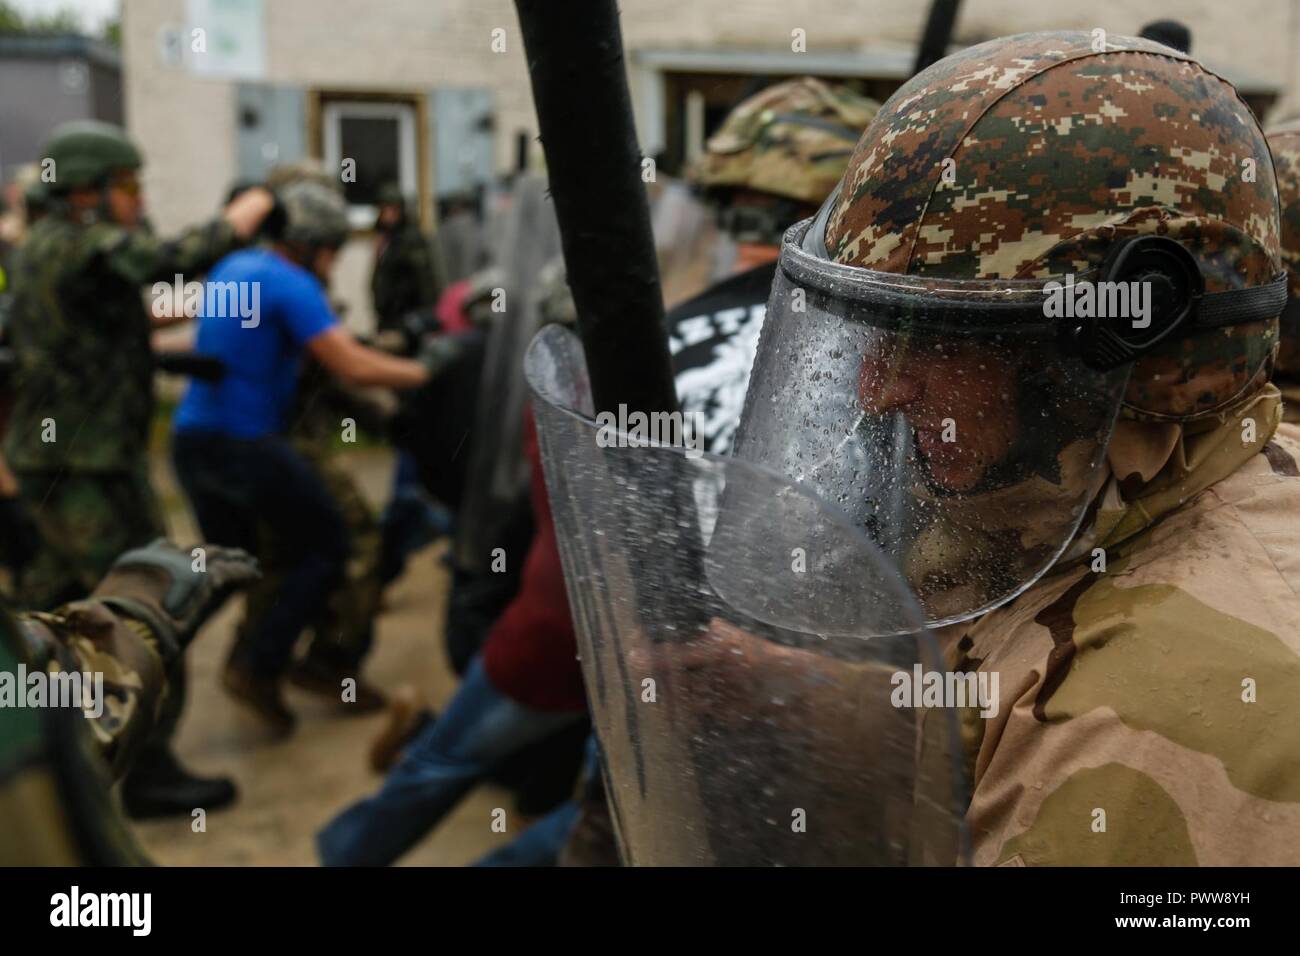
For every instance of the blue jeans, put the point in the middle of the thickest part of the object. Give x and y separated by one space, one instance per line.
479 729
237 485
411 520
541 843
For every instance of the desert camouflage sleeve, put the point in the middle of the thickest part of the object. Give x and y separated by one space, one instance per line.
1147 713
89 638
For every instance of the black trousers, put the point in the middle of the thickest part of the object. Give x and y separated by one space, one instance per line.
233 484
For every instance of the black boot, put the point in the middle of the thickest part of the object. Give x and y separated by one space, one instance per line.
158 786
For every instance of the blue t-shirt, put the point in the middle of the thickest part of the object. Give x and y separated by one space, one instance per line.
259 310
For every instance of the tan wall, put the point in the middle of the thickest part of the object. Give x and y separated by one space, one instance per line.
186 123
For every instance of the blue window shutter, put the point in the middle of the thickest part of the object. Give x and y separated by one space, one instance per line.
272 126
462 131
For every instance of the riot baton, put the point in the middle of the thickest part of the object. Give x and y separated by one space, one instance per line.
938 31
593 162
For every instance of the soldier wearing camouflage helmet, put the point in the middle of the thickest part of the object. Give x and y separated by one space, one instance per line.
232 452
778 153
1094 503
1284 141
407 273
1022 358
78 436
775 157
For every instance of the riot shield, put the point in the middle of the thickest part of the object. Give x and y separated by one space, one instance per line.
498 473
742 643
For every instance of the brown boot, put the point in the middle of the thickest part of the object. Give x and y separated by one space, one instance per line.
404 718
262 694
325 679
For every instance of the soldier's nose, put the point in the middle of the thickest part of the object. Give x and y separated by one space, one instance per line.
888 388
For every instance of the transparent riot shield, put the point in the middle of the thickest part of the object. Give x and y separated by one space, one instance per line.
498 472
744 648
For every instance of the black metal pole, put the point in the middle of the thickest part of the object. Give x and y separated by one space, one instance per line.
938 32
593 162
521 151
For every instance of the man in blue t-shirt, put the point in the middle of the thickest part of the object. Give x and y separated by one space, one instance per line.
276 307
262 309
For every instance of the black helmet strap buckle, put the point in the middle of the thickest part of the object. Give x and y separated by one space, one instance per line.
1162 295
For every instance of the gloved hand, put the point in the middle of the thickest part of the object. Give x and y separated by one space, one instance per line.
437 352
159 585
20 539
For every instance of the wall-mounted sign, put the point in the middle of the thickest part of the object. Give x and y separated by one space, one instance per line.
226 38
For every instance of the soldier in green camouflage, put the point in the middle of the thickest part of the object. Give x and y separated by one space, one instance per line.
79 431
407 273
56 765
1284 141
78 436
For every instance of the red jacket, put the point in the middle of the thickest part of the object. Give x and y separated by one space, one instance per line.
531 653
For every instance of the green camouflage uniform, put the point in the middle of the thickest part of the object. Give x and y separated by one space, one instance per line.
407 274
1123 690
85 369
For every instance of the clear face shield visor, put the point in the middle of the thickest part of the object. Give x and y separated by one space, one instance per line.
963 424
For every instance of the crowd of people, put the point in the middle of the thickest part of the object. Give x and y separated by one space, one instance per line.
255 444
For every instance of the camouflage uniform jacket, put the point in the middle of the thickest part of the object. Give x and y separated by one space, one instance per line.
407 275
81 333
56 765
1152 698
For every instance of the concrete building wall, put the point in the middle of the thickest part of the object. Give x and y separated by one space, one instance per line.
187 123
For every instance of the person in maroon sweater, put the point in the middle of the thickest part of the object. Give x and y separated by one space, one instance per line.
524 685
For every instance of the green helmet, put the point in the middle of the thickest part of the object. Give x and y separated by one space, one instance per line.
87 152
282 174
390 194
314 214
